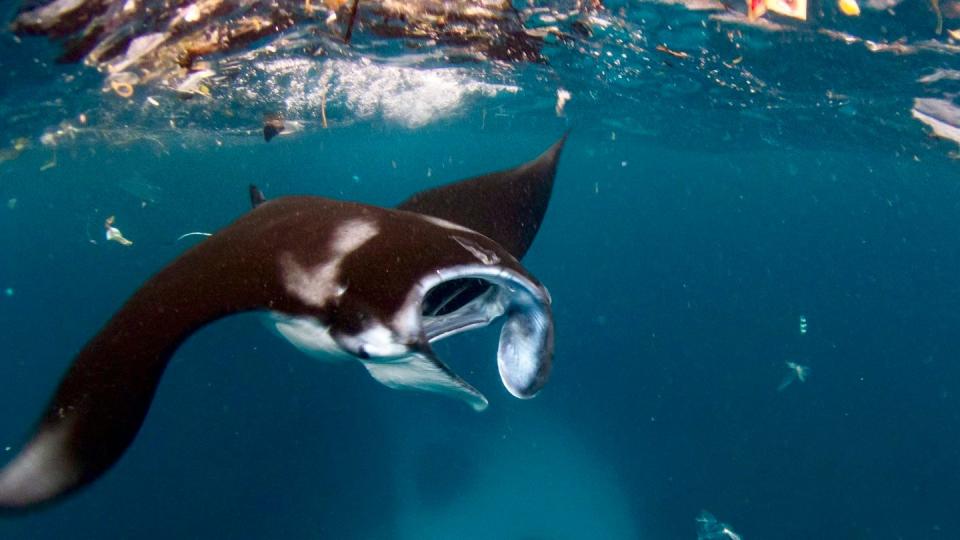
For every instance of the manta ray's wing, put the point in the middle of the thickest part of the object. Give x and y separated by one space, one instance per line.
506 206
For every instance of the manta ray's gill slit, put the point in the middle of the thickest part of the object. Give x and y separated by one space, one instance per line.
449 296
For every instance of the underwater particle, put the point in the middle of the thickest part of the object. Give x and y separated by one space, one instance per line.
797 373
113 234
803 324
563 97
272 126
12 203
8 292
708 528
850 8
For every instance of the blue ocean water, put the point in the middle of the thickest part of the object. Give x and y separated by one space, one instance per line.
758 197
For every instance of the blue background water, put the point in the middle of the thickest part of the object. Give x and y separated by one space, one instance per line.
679 273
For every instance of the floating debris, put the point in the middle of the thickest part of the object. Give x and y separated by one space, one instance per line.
12 203
14 150
113 234
563 96
189 234
179 45
272 126
51 163
803 325
122 83
676 54
796 9
193 84
8 292
708 528
797 373
935 6
941 115
850 8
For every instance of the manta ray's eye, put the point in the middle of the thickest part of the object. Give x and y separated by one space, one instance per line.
362 353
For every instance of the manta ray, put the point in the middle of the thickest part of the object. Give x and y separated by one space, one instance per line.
335 278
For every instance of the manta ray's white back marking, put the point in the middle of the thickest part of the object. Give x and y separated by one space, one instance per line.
316 286
444 223
483 255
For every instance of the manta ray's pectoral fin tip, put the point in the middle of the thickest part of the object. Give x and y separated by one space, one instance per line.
506 206
428 373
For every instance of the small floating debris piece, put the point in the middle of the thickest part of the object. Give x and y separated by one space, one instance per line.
323 107
796 9
8 292
12 203
676 54
49 164
803 324
563 96
935 5
113 234
797 373
941 115
272 126
850 8
136 50
708 528
189 234
193 84
123 83
16 148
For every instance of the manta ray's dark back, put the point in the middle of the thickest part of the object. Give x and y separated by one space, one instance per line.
506 206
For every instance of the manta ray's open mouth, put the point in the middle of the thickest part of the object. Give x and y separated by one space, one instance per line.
463 298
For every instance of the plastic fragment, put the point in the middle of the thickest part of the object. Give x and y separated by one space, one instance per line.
850 8
189 234
272 126
563 96
676 54
796 9
113 234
